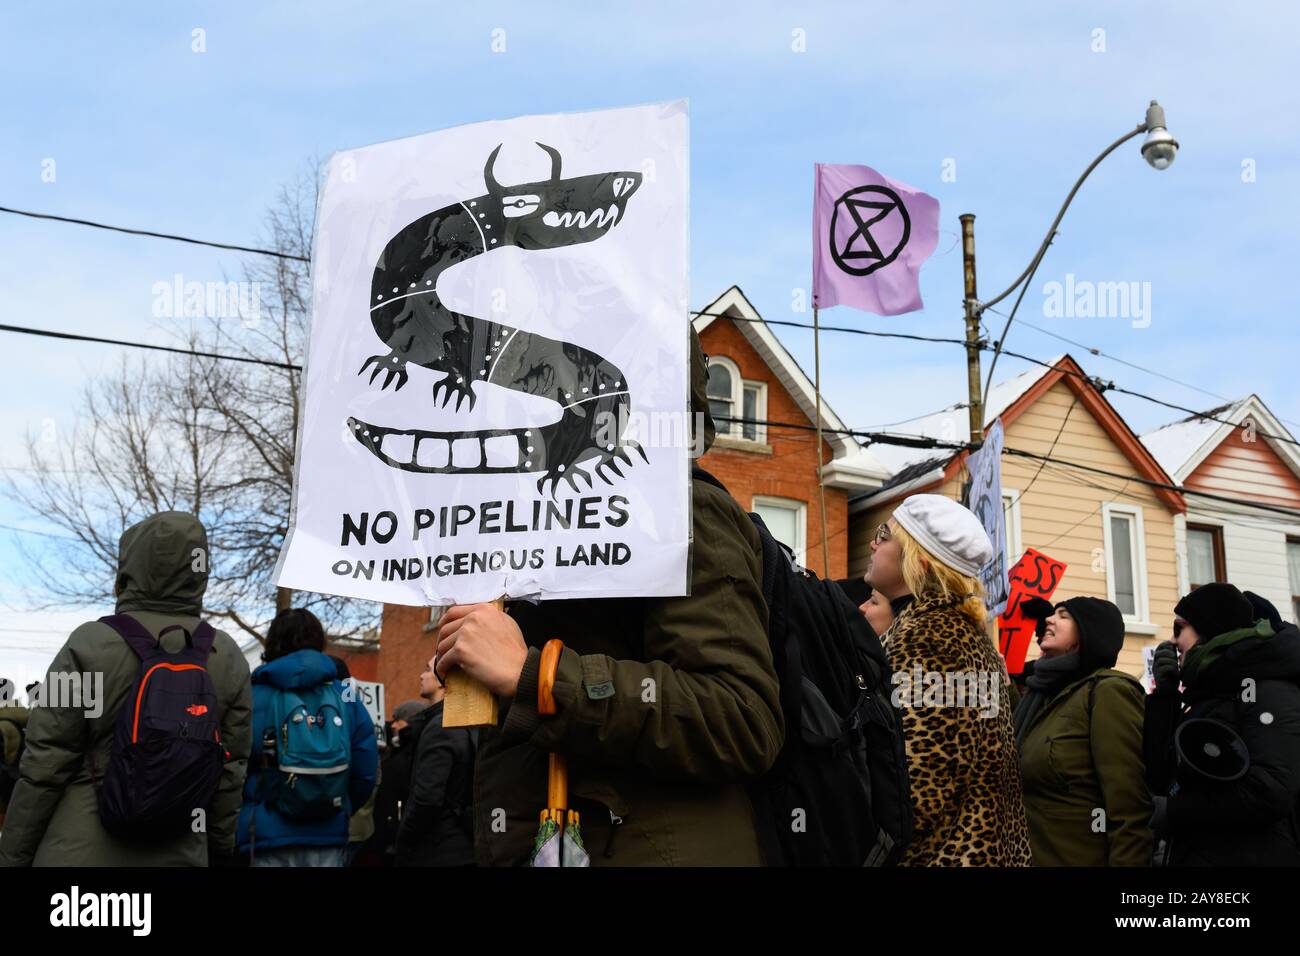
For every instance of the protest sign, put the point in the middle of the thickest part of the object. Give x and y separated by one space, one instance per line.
1034 575
496 397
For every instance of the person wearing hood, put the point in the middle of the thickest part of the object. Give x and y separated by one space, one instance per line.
1079 730
53 816
667 708
1226 801
295 661
961 750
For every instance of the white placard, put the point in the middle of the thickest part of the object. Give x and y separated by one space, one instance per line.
497 396
371 695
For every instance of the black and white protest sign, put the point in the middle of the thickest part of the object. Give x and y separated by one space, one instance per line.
496 398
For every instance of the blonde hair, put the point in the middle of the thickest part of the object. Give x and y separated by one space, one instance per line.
927 576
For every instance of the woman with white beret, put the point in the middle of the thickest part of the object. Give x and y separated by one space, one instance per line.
951 688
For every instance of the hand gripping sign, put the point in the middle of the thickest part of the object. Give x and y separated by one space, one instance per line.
1034 575
496 400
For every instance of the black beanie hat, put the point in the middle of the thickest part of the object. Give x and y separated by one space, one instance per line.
1215 609
1263 608
1101 631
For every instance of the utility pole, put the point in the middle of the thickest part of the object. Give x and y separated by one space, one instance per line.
972 331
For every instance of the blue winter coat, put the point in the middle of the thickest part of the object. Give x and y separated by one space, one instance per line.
304 669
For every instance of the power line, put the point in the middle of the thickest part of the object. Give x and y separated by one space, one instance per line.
1064 418
996 349
43 534
1112 387
1092 350
74 337
1152 483
882 438
835 328
151 233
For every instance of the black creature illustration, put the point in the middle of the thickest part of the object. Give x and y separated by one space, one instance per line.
477 352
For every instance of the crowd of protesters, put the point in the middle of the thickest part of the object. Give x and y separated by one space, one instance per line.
1072 764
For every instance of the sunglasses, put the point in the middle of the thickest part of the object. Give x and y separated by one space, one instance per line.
1178 627
882 534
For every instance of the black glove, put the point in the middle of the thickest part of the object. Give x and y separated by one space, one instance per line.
1160 815
1164 668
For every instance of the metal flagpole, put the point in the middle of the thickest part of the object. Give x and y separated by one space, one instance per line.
821 484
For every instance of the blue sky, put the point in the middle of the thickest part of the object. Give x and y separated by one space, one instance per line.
145 132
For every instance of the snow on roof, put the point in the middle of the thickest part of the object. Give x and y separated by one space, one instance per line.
953 423
1173 445
1005 393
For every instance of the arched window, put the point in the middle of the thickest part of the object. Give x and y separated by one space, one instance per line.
723 376
731 397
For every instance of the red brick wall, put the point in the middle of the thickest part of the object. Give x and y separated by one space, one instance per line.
404 648
790 470
363 662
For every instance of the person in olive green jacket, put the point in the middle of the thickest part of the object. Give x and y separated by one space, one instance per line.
667 707
1079 729
53 817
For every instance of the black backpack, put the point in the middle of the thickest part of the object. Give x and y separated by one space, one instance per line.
167 753
838 794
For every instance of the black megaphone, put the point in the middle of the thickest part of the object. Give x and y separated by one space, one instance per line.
1211 749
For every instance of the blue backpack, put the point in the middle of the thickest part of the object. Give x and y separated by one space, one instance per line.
167 753
307 753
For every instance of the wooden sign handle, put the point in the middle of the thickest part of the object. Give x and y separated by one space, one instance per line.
467 702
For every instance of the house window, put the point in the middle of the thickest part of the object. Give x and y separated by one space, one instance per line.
787 520
1293 566
1126 572
731 397
1205 563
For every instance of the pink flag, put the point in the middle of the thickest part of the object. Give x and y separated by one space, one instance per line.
871 235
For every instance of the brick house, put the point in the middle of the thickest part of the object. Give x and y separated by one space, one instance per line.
769 470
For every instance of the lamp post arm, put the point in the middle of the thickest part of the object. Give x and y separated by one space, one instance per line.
1141 128
1042 250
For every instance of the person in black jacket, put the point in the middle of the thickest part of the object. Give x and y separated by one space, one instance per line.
1241 669
403 734
437 825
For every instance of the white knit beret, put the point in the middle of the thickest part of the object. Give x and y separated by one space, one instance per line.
947 531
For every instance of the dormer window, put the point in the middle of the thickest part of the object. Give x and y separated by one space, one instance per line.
732 397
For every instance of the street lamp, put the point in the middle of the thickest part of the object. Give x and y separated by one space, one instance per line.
1158 149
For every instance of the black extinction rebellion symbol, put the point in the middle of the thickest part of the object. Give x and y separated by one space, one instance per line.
860 254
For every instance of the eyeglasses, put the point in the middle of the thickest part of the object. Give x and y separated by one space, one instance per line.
882 534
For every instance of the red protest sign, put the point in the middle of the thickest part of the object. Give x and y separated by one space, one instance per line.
1034 575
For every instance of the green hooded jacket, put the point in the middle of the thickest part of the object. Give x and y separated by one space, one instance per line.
667 708
53 818
1081 765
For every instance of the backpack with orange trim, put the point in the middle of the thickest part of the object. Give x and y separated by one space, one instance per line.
167 753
